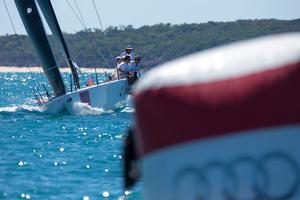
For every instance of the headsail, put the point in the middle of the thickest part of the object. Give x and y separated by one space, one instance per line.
33 24
51 19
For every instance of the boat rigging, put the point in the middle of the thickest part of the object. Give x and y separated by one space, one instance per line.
105 95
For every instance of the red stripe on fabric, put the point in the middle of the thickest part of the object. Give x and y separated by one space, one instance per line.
85 97
174 115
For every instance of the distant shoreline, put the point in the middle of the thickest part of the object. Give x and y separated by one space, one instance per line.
13 69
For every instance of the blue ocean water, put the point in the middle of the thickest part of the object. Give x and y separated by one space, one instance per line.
58 156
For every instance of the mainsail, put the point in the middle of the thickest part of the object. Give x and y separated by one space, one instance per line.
49 14
33 24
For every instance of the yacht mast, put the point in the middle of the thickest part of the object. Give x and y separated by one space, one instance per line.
34 27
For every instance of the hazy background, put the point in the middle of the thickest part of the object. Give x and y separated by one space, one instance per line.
139 13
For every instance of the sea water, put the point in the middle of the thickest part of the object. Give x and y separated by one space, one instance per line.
75 155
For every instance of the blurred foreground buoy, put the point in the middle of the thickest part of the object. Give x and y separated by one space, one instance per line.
223 123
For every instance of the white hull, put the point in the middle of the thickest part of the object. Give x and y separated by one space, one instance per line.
105 95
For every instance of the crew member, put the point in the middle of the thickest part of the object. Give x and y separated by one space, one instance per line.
135 66
115 74
124 69
128 52
90 81
118 60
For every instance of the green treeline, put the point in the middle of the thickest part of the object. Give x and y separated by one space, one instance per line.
156 44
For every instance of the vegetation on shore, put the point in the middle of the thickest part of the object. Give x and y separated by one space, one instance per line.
156 44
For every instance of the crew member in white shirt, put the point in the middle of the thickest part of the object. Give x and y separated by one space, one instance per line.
124 69
118 60
128 52
115 74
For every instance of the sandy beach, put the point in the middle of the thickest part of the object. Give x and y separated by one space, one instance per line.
5 69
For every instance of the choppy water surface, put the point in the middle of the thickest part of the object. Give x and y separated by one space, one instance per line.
63 156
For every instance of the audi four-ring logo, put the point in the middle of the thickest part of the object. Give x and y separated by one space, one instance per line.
264 182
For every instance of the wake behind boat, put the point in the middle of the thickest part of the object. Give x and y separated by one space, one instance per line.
106 95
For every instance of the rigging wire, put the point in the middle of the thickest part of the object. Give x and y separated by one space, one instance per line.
98 16
56 41
85 28
80 15
92 41
21 48
78 18
102 29
18 39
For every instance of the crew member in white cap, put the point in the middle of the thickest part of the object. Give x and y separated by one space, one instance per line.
118 60
115 74
128 52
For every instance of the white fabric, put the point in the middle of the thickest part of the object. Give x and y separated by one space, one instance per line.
124 69
225 62
131 55
76 67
